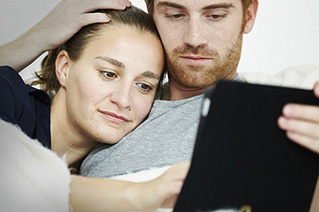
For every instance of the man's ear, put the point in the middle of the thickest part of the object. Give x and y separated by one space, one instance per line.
62 64
251 16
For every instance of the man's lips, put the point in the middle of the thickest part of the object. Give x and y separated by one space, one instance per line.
113 117
196 58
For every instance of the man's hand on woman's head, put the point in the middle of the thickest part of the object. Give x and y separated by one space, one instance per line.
66 19
69 16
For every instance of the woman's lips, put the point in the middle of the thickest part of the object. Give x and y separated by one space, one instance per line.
115 118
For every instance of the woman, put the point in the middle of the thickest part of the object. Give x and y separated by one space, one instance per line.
104 92
103 81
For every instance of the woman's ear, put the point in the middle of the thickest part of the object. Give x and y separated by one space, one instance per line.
62 64
251 16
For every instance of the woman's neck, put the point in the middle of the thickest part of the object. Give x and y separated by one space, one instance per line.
66 140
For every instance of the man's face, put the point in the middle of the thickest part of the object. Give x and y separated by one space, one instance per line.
202 39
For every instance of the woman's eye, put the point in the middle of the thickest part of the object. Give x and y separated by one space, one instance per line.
145 87
109 75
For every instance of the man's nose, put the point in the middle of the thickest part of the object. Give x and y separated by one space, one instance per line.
194 33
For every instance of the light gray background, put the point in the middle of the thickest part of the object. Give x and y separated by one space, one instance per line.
286 32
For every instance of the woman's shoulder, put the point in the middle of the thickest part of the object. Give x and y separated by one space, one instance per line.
13 86
25 106
9 75
11 83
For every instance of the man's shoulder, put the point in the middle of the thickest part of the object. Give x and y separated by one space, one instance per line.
301 76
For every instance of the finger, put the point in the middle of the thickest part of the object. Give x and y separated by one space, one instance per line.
303 112
91 18
105 4
309 129
305 141
316 89
128 3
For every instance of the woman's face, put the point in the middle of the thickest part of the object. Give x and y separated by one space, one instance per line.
111 88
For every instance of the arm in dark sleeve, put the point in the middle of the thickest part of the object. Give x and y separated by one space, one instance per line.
11 98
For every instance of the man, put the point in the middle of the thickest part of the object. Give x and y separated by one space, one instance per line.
202 41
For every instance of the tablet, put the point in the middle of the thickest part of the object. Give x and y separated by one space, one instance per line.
242 160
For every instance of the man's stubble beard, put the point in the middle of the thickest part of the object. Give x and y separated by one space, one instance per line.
222 67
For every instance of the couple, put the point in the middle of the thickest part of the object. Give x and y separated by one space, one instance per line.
202 43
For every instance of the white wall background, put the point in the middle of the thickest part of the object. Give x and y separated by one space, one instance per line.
286 32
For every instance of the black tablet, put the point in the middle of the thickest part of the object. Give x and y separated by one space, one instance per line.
242 160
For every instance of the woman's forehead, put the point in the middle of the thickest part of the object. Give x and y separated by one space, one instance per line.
126 44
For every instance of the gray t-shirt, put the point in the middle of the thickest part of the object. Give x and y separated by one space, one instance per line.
165 138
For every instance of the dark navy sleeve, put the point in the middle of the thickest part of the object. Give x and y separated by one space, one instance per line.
25 106
9 100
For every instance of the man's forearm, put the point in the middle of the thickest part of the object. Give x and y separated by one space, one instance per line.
21 52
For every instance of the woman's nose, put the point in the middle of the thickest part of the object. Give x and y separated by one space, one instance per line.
122 97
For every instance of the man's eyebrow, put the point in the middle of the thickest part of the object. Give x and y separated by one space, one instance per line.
216 6
178 6
150 74
170 4
112 61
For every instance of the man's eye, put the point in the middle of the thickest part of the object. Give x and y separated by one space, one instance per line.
216 17
109 75
175 16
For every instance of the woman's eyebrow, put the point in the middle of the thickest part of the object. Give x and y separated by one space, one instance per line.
113 61
150 74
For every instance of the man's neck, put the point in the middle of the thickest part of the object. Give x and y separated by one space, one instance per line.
177 92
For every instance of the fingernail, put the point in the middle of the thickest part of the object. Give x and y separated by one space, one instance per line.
316 90
288 109
282 121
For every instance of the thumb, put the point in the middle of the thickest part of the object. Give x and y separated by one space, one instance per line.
316 89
